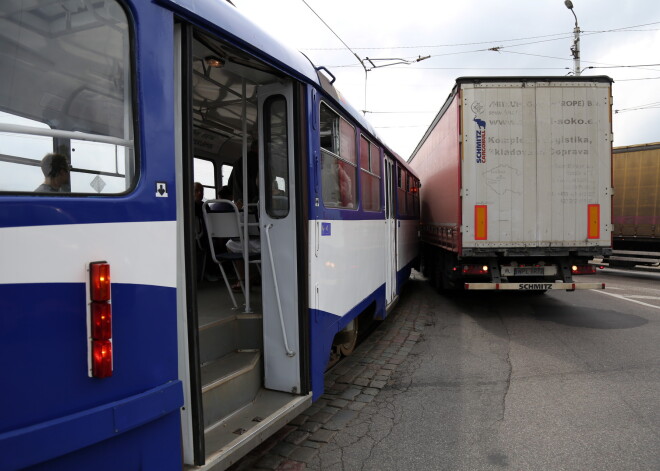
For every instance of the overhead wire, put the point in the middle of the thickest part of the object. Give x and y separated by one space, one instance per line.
536 40
647 106
333 32
557 36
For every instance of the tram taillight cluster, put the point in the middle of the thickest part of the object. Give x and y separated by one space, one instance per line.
100 320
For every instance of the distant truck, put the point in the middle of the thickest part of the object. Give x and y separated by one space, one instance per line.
636 206
516 183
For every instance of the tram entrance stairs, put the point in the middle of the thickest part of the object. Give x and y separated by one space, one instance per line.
238 411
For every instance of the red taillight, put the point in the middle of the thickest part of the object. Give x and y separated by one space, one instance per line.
475 269
101 358
583 269
99 281
100 320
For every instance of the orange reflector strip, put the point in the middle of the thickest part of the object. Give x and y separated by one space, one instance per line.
593 221
480 222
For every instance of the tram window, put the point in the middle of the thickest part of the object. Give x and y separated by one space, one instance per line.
204 173
370 175
338 160
20 154
225 171
409 196
276 157
401 192
415 198
79 106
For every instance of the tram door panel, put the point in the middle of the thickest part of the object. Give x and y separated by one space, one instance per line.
390 225
277 223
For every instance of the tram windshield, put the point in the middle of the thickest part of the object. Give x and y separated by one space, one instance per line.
66 89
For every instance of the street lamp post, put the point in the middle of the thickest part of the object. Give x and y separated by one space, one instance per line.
575 49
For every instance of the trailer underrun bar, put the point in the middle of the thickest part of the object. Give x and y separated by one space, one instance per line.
533 286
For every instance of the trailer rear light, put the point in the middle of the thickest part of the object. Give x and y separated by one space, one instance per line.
480 222
593 221
100 320
583 269
475 269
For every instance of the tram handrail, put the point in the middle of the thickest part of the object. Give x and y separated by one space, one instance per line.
289 352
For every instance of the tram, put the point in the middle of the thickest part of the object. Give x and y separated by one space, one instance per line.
130 338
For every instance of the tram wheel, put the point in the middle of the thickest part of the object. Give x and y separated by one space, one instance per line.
335 356
346 340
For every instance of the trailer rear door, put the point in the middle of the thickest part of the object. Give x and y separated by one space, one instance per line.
536 164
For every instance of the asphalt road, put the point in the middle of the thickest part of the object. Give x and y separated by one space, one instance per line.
560 381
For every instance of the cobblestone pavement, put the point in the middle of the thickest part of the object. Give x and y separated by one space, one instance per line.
350 388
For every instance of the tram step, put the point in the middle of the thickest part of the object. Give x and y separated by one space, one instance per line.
230 439
229 383
218 337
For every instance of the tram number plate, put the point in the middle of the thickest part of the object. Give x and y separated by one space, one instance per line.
528 271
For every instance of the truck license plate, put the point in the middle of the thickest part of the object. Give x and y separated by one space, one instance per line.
528 271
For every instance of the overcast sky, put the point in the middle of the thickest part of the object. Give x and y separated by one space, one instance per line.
532 37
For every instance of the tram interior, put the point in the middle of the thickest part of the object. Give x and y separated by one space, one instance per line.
234 400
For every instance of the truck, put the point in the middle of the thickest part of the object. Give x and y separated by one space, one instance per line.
636 206
516 183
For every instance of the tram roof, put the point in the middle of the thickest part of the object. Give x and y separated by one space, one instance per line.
220 15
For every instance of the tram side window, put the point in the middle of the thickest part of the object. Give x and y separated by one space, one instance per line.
401 193
204 173
415 195
370 175
409 196
276 157
338 160
79 106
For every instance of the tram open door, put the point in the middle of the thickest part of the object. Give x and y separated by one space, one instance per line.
242 363
391 229
277 195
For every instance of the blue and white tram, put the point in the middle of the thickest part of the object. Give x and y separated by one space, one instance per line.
120 348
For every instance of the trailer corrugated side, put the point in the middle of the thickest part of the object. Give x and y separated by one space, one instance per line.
516 181
636 205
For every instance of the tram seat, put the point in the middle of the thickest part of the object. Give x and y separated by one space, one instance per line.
227 225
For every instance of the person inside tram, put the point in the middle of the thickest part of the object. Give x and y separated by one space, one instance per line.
224 193
57 174
200 229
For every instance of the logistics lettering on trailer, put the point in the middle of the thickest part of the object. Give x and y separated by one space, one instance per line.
480 140
535 286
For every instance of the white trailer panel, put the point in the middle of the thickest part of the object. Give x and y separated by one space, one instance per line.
536 164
